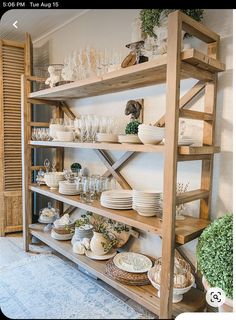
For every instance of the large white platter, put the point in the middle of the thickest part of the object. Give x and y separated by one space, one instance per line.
132 262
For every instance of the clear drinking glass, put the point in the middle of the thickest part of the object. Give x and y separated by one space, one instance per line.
85 197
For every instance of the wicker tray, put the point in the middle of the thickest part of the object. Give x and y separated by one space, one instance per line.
133 279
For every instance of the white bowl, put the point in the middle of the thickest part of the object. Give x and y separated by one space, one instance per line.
177 292
65 136
150 139
148 128
52 179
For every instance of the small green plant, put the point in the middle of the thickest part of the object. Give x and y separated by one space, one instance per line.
215 254
151 17
132 127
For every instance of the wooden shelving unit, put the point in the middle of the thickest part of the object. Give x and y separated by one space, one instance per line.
169 69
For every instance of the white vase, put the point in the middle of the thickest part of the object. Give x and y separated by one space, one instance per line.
96 244
227 306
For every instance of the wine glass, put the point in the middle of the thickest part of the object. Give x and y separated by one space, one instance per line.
47 165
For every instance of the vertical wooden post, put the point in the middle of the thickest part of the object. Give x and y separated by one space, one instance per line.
170 169
26 150
59 156
209 136
26 163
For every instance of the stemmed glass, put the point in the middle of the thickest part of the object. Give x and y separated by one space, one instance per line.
47 165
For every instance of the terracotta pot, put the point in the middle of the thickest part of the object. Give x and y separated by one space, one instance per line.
227 306
96 244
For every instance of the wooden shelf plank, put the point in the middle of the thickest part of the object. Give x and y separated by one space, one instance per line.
141 75
186 230
183 150
192 196
193 301
102 146
202 61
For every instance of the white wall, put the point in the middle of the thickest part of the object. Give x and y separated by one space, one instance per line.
112 28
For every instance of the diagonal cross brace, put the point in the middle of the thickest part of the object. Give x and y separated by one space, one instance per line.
184 100
108 162
120 162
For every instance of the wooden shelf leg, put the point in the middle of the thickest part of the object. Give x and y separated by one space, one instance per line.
59 158
26 161
170 169
209 136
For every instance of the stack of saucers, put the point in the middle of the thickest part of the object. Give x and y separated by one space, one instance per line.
148 203
117 199
68 188
150 134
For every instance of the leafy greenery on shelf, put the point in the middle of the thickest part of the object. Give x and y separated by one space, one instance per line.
132 127
104 226
215 254
151 17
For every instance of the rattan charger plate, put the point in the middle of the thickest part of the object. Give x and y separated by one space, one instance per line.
133 279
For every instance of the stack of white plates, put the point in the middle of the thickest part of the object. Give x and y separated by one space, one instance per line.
68 188
58 236
107 137
148 203
129 138
150 134
117 199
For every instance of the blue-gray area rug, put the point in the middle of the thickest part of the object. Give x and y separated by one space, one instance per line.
46 287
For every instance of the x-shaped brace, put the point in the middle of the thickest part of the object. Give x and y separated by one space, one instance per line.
114 167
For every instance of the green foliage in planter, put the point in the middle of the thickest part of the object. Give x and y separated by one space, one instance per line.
215 254
151 17
132 127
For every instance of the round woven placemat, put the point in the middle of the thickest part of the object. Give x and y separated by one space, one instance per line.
133 279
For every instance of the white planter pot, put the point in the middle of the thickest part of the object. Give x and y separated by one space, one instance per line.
96 244
227 306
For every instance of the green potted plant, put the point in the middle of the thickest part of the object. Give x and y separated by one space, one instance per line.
151 17
215 257
132 127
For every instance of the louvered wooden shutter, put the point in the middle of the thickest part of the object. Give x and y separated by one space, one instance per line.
11 67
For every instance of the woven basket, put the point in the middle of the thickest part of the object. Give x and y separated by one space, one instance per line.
133 279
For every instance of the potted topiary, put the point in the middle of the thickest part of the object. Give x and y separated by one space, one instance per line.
151 17
154 23
215 257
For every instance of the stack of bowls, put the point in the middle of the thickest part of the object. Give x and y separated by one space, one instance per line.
85 231
62 227
150 134
65 136
148 203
